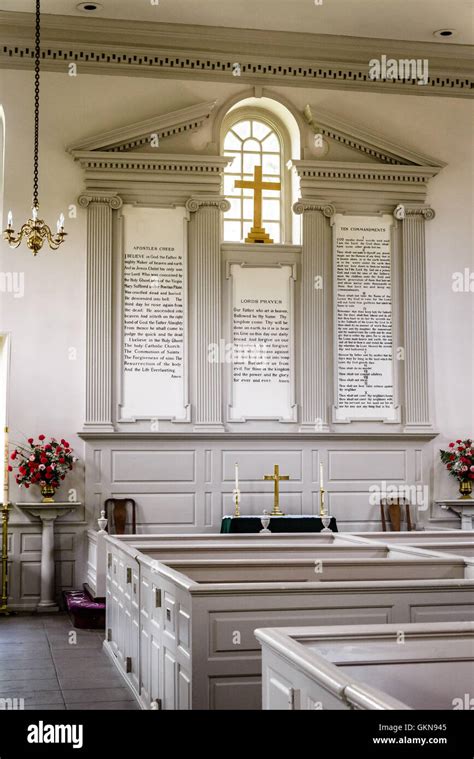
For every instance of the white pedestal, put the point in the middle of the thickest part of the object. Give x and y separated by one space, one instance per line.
47 513
463 507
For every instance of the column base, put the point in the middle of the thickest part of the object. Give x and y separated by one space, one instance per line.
417 428
47 607
93 427
209 428
321 429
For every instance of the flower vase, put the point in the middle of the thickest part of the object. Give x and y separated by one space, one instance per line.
47 491
465 488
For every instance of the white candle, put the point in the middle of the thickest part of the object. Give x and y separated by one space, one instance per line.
60 222
35 213
10 219
321 482
236 476
5 479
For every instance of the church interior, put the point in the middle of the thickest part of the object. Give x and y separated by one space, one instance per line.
236 355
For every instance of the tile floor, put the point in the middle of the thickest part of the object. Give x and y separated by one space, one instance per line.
39 664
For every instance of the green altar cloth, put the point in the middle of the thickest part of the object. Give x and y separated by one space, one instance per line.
277 524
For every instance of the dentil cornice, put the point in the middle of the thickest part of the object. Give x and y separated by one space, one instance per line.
133 48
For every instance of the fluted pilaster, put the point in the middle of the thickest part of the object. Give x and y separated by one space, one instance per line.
204 255
315 284
100 209
417 402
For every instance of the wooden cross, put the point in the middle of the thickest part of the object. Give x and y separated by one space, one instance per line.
257 233
276 477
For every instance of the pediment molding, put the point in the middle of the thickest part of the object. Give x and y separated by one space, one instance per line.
104 161
369 143
159 179
364 172
133 136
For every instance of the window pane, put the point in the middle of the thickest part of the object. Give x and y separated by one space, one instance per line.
235 210
247 227
271 210
271 193
229 188
248 209
242 129
250 161
232 231
232 142
260 130
271 143
252 146
236 166
271 164
273 230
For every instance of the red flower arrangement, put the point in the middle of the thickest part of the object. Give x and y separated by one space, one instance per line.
42 463
459 460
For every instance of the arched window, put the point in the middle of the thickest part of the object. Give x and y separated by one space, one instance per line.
253 140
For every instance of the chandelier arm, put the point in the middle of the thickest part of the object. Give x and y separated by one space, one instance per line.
13 242
37 105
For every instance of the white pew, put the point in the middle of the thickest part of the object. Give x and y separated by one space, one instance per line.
186 638
367 667
416 536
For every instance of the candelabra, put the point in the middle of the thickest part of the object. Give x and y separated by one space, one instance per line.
35 231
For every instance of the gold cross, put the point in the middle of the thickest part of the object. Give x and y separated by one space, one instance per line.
257 233
276 477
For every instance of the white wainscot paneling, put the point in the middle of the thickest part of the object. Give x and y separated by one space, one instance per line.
153 466
155 509
25 562
367 465
351 507
253 464
186 485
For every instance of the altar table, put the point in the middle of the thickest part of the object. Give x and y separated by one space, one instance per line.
288 523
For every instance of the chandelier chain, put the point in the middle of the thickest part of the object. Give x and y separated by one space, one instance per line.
37 103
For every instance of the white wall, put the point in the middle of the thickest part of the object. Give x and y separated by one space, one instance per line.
47 388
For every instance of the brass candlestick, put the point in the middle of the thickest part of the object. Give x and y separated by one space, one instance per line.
322 508
237 503
4 599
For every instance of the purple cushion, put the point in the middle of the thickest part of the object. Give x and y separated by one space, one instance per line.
85 612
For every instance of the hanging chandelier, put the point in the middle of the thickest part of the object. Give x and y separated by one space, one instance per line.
35 231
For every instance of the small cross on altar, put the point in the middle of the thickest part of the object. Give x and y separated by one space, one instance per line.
276 477
257 233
